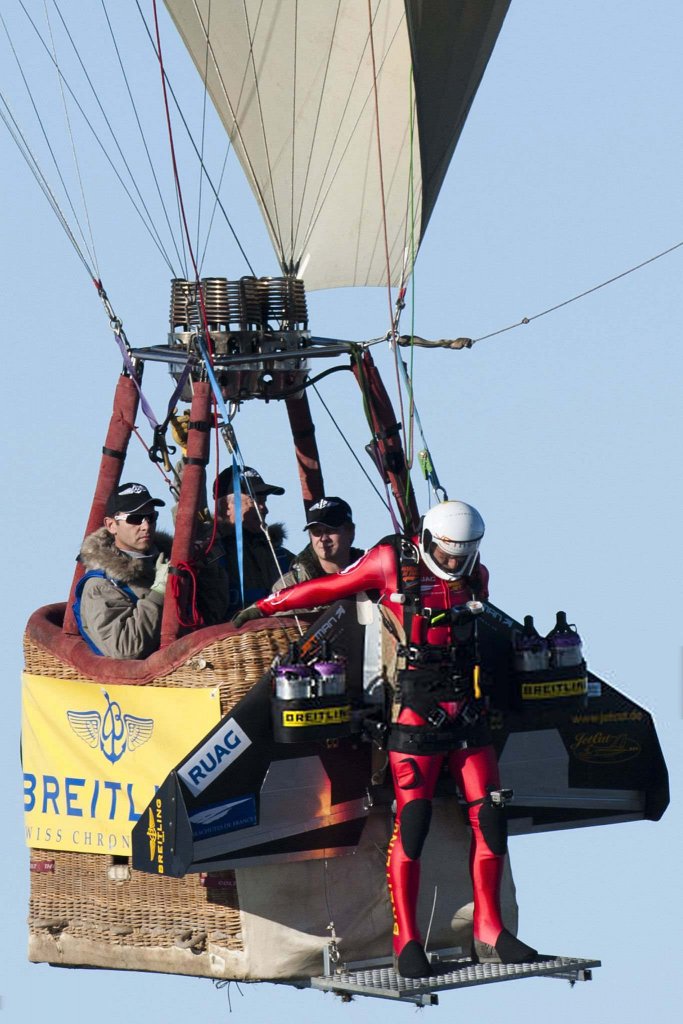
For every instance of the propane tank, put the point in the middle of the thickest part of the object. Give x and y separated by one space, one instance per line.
332 677
564 644
530 648
331 672
309 701
294 680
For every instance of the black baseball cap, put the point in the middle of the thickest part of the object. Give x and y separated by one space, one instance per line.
129 498
251 482
329 512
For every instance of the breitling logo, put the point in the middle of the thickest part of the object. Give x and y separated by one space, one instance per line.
112 731
156 835
152 835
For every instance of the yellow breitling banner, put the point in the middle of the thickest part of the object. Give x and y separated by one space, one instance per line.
93 755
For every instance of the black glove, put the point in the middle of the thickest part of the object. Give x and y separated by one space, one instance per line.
252 612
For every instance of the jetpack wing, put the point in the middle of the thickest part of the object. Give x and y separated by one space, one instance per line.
240 797
570 762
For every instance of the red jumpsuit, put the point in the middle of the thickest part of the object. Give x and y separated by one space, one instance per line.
474 767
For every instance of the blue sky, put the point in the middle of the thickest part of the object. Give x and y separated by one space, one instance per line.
565 433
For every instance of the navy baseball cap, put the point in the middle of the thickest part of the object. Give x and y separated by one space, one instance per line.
129 498
251 483
330 512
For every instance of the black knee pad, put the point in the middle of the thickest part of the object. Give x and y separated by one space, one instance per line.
415 819
494 826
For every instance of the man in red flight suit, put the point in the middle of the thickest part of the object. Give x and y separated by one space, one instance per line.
427 583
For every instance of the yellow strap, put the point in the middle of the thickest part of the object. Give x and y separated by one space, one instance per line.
475 679
179 429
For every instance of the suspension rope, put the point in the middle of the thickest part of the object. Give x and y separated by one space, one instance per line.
216 190
176 175
314 133
194 146
355 457
114 322
230 439
73 142
143 137
294 68
215 205
152 227
25 150
49 147
338 158
205 344
575 298
122 341
203 135
277 230
399 302
385 232
99 142
378 139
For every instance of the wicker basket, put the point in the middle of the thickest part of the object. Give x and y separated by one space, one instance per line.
93 909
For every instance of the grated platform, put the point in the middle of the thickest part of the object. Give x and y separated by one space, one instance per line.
382 982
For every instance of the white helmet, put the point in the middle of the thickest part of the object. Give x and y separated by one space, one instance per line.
456 529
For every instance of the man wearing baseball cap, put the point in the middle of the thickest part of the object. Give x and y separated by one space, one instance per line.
264 558
120 599
331 532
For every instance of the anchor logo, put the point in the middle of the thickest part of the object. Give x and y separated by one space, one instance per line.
113 732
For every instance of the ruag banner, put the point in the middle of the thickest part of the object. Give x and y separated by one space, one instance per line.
94 755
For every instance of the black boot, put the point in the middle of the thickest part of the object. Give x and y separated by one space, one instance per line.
412 961
507 950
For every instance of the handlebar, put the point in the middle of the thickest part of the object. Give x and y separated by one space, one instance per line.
449 616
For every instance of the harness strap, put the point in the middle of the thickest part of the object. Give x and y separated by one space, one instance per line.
113 453
425 739
239 538
299 435
391 431
408 580
496 797
76 606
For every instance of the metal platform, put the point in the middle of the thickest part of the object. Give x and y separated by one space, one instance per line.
379 979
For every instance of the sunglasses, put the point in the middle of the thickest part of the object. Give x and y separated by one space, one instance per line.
137 518
322 531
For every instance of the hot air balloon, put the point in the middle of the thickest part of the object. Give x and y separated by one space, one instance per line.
212 850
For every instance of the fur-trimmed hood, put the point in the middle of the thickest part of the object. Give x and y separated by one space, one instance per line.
98 551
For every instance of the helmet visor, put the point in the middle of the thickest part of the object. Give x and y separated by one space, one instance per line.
455 558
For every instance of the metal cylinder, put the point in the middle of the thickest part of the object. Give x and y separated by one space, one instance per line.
251 306
185 313
565 651
332 677
216 302
295 682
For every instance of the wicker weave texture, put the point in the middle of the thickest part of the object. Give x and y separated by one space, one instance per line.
233 663
78 899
